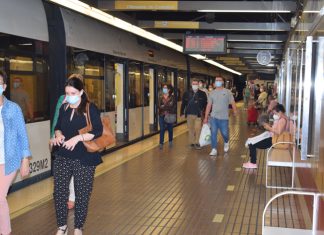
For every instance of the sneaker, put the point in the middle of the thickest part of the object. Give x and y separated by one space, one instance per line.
197 146
161 146
247 143
226 147
192 145
170 144
249 165
213 152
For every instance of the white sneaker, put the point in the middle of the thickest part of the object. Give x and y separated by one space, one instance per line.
247 143
226 147
213 152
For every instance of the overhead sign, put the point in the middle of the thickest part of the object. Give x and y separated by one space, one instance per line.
146 5
204 44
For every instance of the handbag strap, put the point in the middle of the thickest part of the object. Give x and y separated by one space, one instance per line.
88 119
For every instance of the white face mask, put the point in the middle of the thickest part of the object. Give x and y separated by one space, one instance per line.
194 87
276 117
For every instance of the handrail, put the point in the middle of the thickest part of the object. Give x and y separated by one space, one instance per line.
293 164
304 193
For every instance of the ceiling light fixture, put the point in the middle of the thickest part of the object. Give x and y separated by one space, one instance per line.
95 13
246 11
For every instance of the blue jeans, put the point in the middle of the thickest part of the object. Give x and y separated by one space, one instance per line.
215 125
163 127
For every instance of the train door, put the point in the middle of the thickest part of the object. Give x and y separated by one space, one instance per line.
148 105
114 97
135 100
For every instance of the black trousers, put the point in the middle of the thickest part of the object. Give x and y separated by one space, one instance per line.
263 144
63 169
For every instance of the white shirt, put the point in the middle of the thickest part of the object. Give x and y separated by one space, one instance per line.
2 153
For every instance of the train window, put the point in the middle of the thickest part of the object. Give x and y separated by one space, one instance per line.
182 84
28 86
91 66
135 85
25 62
2 60
112 77
147 78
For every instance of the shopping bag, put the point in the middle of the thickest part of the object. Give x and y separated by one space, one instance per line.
205 135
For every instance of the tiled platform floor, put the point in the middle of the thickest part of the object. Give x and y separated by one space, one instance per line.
178 190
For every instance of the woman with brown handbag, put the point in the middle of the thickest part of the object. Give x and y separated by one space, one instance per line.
72 157
280 125
167 113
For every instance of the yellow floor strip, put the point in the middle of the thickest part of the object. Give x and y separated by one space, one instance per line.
27 199
230 188
218 218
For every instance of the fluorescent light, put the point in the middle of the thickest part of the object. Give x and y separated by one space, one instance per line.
311 11
93 12
247 11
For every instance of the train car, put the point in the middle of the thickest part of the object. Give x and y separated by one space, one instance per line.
123 73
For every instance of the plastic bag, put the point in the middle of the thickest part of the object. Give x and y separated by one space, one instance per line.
205 135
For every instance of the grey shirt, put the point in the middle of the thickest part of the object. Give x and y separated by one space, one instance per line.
220 99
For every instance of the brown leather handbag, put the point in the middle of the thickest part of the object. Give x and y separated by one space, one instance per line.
102 142
285 136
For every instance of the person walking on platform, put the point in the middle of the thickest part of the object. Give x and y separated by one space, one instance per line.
59 103
72 158
167 113
193 106
218 102
281 124
14 150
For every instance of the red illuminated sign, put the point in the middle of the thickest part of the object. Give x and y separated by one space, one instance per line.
204 44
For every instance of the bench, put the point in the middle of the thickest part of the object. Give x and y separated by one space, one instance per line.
284 158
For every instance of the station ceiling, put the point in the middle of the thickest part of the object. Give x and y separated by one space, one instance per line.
250 26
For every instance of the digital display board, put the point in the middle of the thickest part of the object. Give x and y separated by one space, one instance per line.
204 44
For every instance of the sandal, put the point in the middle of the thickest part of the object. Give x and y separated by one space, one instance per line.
70 204
62 230
77 231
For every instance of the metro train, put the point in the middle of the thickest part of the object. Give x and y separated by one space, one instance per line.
41 44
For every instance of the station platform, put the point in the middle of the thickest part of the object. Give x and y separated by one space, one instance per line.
144 190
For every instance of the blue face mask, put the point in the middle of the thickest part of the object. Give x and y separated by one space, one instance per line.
218 83
1 89
165 90
72 99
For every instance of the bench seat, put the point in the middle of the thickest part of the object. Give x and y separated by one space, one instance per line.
284 158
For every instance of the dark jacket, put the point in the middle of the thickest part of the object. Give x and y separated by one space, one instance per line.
193 103
167 107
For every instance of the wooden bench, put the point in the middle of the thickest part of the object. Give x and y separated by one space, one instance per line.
284 158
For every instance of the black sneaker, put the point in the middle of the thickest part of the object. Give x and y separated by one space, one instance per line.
192 145
197 146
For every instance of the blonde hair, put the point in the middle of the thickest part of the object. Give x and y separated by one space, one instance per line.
76 75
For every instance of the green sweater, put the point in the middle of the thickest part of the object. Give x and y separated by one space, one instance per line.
56 114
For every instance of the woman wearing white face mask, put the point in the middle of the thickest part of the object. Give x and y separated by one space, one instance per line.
281 124
60 102
167 106
72 157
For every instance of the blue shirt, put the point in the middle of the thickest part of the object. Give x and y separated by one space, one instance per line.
16 145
